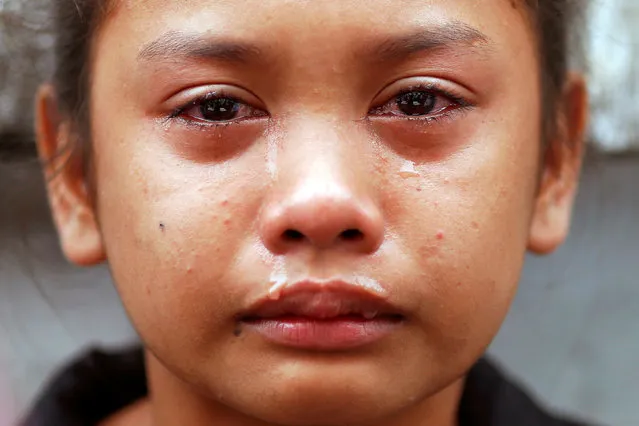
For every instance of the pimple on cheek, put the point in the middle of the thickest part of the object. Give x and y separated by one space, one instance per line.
226 205
432 249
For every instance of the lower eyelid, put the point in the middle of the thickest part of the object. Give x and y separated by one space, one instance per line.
201 124
450 114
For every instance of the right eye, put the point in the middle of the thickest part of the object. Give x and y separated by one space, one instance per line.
218 110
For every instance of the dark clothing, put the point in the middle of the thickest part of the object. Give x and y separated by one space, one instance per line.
101 384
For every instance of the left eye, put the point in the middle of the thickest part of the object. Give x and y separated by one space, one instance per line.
416 103
220 110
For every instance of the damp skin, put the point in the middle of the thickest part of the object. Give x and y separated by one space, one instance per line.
322 176
278 280
408 170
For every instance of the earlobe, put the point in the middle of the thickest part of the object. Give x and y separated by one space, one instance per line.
561 169
70 202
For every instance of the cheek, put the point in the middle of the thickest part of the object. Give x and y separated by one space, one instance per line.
466 225
172 230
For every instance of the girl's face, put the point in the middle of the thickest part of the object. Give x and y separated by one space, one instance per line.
392 146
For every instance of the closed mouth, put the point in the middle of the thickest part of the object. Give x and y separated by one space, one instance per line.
323 302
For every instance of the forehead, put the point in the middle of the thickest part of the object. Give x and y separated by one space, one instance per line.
304 22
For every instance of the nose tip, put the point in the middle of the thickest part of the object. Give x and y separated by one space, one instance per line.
325 223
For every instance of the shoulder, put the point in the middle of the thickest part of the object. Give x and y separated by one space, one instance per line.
499 401
137 414
90 389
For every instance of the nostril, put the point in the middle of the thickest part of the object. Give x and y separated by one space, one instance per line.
293 235
352 235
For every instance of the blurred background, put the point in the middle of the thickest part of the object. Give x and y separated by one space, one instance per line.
573 332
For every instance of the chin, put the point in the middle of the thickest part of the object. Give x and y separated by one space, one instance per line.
301 394
340 406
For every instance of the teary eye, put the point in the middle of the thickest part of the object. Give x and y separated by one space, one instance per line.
416 103
219 109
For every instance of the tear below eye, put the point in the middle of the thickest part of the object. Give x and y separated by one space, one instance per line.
416 103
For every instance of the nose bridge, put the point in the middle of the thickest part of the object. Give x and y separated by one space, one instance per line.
323 158
322 196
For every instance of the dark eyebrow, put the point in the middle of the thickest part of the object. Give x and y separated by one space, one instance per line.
180 45
450 35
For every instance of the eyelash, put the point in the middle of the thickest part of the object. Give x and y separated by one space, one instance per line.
458 104
203 124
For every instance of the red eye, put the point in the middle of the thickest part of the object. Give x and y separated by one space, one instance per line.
418 103
219 109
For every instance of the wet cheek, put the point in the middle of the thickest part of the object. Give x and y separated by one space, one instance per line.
459 239
168 251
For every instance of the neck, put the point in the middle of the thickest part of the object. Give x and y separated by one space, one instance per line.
173 402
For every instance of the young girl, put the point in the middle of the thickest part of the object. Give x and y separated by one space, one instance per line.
315 212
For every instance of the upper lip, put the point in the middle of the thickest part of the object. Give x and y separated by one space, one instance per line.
323 300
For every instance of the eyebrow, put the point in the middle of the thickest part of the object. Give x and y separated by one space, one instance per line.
447 36
181 45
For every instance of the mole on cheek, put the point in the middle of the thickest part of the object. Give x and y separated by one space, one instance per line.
162 227
237 332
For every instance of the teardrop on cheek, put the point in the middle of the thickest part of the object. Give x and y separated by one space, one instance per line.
408 170
278 280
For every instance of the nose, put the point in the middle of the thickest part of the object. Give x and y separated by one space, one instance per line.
322 213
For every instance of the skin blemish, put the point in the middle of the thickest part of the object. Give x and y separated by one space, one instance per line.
237 331
475 225
440 235
227 222
162 227
418 189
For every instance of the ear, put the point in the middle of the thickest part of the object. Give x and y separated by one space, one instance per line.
561 168
70 201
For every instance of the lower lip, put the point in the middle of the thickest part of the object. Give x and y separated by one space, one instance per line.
324 334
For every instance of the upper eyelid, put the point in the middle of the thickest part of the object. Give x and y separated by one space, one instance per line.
441 86
193 95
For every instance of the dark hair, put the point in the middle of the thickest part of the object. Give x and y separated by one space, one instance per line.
77 20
